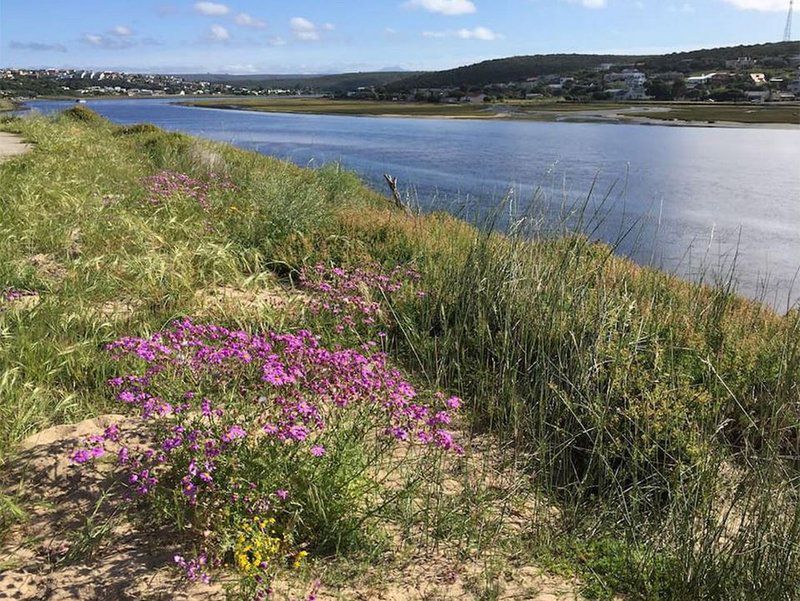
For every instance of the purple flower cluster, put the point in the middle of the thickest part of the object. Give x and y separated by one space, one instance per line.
165 185
96 445
195 569
219 404
355 296
295 387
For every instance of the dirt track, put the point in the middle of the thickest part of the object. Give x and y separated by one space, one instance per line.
11 145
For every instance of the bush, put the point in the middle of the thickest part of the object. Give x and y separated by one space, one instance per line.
270 443
83 114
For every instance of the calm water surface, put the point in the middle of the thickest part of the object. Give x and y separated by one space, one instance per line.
688 200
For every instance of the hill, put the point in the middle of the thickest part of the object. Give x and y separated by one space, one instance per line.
518 68
341 82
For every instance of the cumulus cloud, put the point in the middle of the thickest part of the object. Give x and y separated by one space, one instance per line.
117 38
307 31
478 33
444 7
245 20
762 5
212 9
37 46
483 34
219 34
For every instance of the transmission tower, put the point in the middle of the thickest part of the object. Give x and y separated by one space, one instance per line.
787 33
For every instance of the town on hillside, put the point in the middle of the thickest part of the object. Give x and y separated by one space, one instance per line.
712 75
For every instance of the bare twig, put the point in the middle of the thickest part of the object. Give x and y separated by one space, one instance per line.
398 199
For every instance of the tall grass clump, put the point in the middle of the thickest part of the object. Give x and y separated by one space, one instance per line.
663 415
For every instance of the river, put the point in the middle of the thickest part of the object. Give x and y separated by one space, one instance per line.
690 200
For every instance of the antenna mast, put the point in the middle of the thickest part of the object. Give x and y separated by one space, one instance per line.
787 33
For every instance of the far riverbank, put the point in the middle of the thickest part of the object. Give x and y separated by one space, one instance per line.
671 114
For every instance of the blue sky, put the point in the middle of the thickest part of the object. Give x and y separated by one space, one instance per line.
304 36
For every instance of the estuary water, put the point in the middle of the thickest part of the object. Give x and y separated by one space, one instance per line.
694 201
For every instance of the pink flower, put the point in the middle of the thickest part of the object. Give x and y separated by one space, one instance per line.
234 432
453 402
317 450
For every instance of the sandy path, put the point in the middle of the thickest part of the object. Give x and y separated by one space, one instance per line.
11 145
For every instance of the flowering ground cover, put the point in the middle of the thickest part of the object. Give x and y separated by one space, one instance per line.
248 432
285 352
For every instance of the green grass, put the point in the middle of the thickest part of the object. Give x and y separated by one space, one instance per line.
661 418
512 109
318 106
742 113
6 105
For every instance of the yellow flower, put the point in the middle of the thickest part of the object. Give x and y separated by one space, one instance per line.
298 559
255 547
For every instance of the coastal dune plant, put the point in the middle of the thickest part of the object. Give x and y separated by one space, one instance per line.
270 444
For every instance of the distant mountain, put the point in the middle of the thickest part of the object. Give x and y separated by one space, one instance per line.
341 82
518 68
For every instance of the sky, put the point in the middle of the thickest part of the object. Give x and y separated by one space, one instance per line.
327 36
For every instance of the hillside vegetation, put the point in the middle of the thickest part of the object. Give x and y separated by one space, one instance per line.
517 68
652 425
339 82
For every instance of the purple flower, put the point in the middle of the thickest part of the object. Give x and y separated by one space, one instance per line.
84 455
453 402
317 450
234 432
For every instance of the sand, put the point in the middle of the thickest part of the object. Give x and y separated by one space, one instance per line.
11 145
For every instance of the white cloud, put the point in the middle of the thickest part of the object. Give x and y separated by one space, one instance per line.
246 20
478 33
305 30
590 3
117 38
444 7
212 9
483 34
762 5
328 26
219 33
276 41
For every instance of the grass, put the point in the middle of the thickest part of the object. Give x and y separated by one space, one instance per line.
6 105
744 113
660 418
514 109
318 106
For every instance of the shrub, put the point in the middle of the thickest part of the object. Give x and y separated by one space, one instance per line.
83 114
270 443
